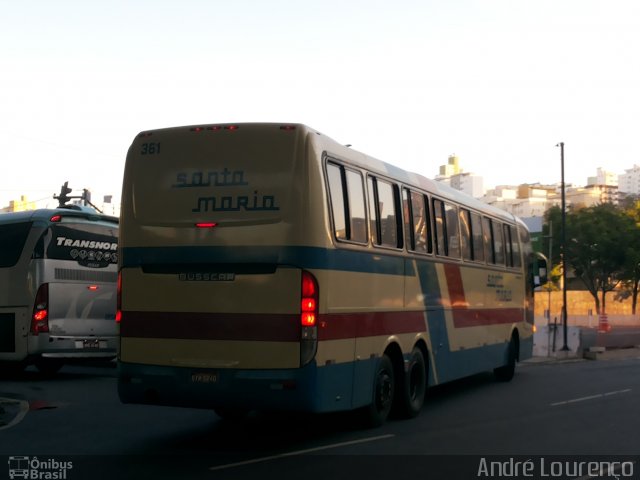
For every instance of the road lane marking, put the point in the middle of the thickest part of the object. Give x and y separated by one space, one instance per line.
301 452
591 397
23 409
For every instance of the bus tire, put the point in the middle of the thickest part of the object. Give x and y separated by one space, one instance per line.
383 392
415 385
506 372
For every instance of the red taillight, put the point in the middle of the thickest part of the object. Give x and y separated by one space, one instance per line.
56 218
119 298
93 288
231 127
40 317
309 302
206 224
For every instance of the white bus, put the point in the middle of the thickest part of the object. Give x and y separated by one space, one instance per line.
58 273
265 266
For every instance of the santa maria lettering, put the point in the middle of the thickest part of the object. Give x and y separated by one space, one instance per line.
218 181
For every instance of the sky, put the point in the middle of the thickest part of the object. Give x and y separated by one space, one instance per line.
499 83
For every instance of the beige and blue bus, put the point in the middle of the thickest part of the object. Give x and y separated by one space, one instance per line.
266 266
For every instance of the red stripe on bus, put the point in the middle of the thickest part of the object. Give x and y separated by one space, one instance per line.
211 326
455 286
490 316
355 325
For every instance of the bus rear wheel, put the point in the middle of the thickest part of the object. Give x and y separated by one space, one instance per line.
383 391
415 385
506 372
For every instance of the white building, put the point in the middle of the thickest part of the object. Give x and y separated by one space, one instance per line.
629 182
452 175
603 177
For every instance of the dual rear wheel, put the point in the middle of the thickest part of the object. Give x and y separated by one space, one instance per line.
396 390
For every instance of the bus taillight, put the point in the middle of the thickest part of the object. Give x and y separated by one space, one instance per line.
119 298
40 317
308 318
309 303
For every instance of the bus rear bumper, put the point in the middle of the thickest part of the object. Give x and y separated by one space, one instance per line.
306 389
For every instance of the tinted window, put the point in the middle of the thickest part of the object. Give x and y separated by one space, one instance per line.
453 235
439 219
346 194
418 227
465 234
477 239
447 230
12 239
336 194
89 244
384 206
357 217
498 242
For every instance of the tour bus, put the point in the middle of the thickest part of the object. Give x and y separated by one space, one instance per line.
266 266
58 275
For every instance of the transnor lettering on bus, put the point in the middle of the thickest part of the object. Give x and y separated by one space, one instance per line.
224 203
95 244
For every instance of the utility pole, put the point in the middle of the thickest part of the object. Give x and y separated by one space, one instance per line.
563 248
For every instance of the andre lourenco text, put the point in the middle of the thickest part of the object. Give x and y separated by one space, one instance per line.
546 468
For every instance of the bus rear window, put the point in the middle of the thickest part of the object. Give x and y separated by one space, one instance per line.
90 245
12 239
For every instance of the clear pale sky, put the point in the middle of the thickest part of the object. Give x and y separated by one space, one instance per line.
497 82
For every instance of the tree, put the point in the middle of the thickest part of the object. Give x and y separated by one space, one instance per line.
631 273
598 242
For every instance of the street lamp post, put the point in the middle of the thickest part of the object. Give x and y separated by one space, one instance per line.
563 243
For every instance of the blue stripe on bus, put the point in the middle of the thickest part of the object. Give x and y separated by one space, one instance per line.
296 256
312 389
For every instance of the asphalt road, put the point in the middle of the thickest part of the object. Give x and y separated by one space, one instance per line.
550 409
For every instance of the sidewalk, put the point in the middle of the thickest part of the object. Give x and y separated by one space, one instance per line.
601 353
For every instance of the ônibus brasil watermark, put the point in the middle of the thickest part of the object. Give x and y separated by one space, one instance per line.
34 468
546 468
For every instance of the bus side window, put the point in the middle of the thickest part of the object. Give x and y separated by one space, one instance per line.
338 200
12 239
453 230
357 216
498 242
440 227
508 252
347 203
386 207
489 249
514 243
465 234
477 242
417 225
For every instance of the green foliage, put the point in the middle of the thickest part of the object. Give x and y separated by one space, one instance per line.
601 244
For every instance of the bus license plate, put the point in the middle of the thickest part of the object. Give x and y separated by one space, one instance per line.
204 377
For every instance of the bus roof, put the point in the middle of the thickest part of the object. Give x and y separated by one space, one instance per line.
411 178
354 157
45 214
